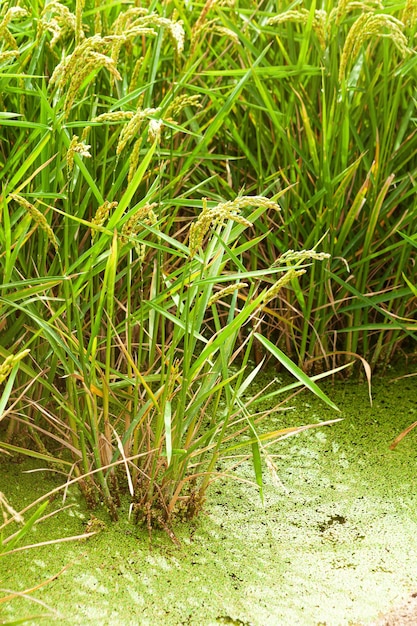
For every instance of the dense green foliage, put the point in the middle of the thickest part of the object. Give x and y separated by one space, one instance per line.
144 256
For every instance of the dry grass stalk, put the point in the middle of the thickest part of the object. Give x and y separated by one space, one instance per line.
8 511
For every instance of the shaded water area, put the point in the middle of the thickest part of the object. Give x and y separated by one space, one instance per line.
335 544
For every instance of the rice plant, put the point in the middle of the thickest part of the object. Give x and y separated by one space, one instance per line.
330 112
316 98
128 308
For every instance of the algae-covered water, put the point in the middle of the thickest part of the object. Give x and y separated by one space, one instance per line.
336 544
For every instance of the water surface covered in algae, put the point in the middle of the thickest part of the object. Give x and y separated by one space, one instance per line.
335 544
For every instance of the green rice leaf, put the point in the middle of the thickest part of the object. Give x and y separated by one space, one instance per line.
295 370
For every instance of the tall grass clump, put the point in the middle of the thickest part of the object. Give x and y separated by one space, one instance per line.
329 111
252 98
131 293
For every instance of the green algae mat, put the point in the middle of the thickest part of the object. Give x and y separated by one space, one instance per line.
334 543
